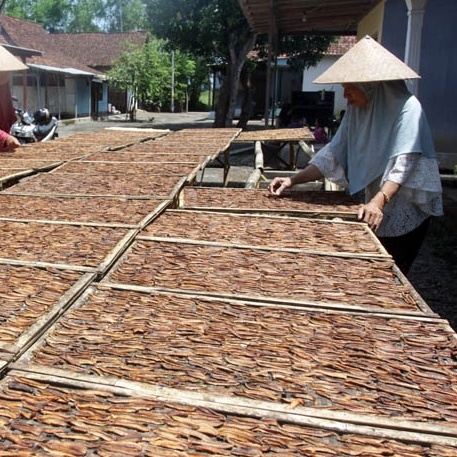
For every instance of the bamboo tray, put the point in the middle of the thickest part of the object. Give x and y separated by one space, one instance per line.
28 164
266 274
64 417
184 150
83 143
56 154
126 155
31 297
201 136
307 202
9 176
62 244
291 134
175 147
113 138
95 210
393 367
195 148
311 235
128 185
204 133
126 167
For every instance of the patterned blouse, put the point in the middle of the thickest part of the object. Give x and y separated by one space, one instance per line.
418 197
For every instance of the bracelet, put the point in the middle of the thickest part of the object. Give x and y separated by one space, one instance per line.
386 197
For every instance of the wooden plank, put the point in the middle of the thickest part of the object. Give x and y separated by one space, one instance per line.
117 251
288 134
115 168
264 273
373 426
344 255
149 218
179 425
254 301
282 302
264 230
88 195
63 266
253 180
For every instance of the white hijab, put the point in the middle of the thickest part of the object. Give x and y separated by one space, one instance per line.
391 123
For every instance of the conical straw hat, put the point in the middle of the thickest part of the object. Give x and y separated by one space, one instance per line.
8 62
364 62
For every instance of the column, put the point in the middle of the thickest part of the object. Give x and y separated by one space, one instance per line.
416 11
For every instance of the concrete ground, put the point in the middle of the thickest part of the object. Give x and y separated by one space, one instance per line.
144 119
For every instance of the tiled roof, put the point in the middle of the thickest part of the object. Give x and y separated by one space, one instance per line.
338 48
343 45
89 52
97 50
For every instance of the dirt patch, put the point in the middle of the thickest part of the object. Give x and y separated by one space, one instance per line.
434 272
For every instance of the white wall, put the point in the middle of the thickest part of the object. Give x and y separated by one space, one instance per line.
312 73
59 100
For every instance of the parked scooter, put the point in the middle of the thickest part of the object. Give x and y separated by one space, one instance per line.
40 126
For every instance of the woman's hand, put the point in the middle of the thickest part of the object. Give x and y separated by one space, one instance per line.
372 214
278 185
11 143
309 173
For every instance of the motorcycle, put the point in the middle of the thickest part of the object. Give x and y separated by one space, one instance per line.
40 126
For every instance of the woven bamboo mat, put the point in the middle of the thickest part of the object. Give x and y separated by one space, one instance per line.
311 235
78 418
312 202
332 361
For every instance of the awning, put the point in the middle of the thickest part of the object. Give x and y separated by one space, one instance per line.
66 70
331 17
22 52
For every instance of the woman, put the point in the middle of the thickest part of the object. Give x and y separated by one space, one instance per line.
8 63
382 150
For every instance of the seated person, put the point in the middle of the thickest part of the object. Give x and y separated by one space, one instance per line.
320 135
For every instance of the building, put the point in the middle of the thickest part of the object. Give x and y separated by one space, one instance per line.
67 72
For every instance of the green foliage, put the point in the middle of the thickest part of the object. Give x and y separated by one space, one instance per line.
215 30
84 16
51 14
202 27
149 72
302 51
124 15
305 51
75 16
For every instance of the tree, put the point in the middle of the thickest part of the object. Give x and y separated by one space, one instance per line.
214 29
184 70
51 14
84 16
147 73
124 15
75 16
304 51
